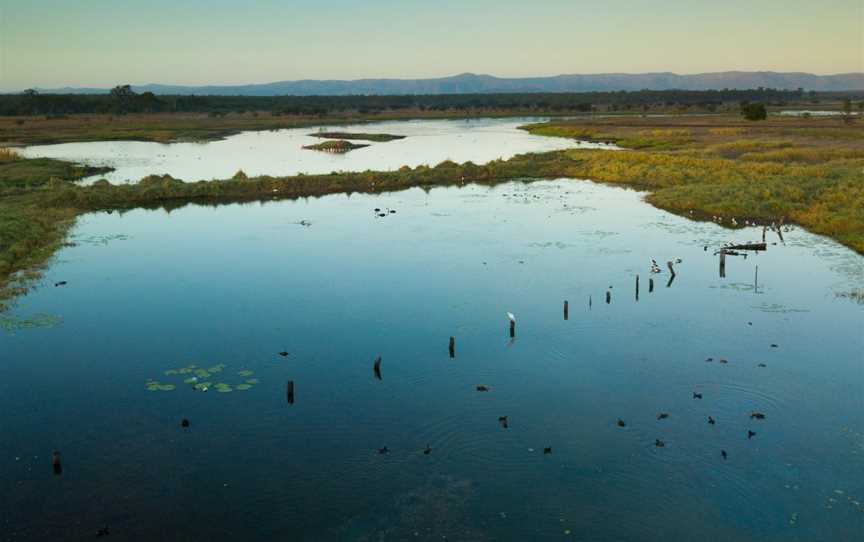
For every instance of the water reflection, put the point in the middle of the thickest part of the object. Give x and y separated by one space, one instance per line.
237 283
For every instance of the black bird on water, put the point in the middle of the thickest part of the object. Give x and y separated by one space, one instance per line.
61 283
547 450
750 434
659 443
697 395
757 416
184 423
428 450
103 531
711 420
723 453
284 354
662 416
482 388
503 421
621 423
383 450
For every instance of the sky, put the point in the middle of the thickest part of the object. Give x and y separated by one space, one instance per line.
101 43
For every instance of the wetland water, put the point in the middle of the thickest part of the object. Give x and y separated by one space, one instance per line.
227 288
280 152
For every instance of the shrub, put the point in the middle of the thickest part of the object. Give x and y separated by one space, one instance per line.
754 111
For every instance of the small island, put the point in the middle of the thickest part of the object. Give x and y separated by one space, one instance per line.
338 147
357 136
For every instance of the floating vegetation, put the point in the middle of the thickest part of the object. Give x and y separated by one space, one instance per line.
198 379
221 387
777 308
856 296
154 385
11 323
100 239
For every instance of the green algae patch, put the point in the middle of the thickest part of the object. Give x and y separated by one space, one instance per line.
243 387
253 381
245 373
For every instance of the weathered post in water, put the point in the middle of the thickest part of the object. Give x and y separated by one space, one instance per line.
589 303
756 281
55 463
452 347
289 392
637 287
376 368
722 263
650 285
608 297
671 269
566 309
764 229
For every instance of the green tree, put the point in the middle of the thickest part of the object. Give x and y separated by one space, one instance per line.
847 110
122 95
754 111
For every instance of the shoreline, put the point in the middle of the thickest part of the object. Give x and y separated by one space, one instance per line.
698 170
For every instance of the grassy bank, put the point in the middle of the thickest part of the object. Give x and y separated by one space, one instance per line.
171 127
806 171
809 172
358 136
18 173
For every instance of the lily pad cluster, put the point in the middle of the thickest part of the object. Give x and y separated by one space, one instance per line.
204 379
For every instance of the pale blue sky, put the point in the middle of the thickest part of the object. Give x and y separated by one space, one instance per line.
49 43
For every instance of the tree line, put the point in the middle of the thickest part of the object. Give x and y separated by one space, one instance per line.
123 99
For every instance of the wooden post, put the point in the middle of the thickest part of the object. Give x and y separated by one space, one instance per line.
289 392
608 297
637 287
376 368
650 285
589 302
671 269
452 347
722 263
756 281
566 309
512 328
764 229
55 463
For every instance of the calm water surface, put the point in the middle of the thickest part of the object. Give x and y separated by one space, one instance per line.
151 291
280 152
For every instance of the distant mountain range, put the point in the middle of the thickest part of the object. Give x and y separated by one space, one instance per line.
469 83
